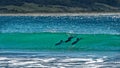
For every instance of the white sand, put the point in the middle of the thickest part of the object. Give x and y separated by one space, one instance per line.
56 14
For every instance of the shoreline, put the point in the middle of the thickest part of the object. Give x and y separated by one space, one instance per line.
56 14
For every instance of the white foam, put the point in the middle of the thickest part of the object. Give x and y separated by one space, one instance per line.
24 63
99 60
3 58
48 59
37 65
56 62
75 59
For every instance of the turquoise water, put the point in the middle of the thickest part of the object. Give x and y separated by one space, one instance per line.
47 41
60 41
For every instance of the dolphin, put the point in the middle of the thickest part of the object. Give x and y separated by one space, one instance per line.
69 39
76 41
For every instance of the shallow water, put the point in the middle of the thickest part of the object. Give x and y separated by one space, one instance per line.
59 59
51 59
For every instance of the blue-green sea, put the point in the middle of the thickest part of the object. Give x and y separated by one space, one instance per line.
84 41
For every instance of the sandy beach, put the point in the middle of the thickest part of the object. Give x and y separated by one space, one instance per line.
56 14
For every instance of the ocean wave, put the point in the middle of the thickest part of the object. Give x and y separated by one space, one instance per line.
52 41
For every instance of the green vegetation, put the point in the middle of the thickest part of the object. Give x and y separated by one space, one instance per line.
53 6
